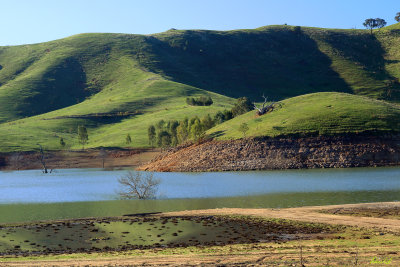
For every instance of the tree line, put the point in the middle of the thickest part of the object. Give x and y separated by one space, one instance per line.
173 132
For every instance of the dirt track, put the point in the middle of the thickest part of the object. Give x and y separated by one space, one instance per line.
311 214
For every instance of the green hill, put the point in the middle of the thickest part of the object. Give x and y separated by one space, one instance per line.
324 113
120 83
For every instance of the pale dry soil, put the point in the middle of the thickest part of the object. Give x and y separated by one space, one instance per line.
312 214
368 238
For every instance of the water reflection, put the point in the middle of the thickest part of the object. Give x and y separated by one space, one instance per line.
71 185
76 193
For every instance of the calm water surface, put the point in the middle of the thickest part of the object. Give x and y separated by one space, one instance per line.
32 195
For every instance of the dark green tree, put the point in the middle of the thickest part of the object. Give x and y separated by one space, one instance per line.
374 23
128 139
228 115
163 139
219 118
83 136
172 129
151 133
197 131
201 101
381 23
183 130
397 18
242 105
62 143
207 122
160 124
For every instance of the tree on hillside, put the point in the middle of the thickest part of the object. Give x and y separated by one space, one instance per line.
244 128
128 139
207 122
381 23
82 136
62 142
151 132
397 18
160 124
228 115
197 131
164 139
183 130
139 185
242 106
172 129
219 117
374 23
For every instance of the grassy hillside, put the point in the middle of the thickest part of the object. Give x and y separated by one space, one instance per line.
318 113
120 83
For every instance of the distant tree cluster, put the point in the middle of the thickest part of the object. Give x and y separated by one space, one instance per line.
397 17
171 133
200 101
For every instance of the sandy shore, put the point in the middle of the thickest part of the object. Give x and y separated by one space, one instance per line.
311 214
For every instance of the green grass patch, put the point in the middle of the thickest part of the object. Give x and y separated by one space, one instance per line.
45 87
316 114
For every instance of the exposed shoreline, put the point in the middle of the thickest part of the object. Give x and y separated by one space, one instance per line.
91 158
281 153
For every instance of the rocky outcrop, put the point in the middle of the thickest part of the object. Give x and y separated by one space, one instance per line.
281 153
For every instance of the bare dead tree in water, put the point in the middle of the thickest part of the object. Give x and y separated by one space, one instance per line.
42 158
264 109
139 185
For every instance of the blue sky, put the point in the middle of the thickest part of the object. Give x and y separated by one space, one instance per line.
33 21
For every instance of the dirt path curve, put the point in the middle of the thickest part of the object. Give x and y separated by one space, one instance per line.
310 214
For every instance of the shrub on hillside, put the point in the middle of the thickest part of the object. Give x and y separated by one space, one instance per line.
201 101
243 105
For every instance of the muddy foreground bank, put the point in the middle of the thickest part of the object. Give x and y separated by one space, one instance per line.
373 239
281 153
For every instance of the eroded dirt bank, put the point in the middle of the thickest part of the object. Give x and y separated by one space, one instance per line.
90 158
281 153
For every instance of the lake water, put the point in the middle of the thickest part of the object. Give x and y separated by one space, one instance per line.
68 193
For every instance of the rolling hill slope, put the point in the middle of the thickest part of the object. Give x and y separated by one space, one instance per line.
326 113
120 83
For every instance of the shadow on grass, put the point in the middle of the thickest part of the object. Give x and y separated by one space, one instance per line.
217 134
